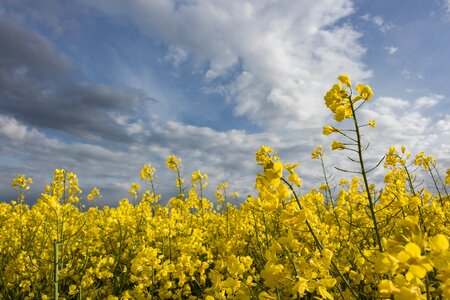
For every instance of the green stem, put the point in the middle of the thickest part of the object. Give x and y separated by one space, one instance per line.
366 183
436 186
179 181
326 180
201 202
55 270
440 180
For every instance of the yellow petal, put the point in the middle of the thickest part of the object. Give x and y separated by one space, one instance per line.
417 271
439 243
345 79
413 250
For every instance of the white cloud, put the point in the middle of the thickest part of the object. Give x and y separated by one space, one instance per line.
379 22
447 5
382 25
365 17
176 56
391 49
401 123
444 124
10 128
428 101
132 127
289 52
389 103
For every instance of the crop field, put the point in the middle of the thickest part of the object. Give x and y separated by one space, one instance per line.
360 241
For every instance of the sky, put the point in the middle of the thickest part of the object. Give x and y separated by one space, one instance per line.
101 88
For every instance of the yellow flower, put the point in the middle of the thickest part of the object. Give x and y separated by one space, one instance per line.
134 189
424 161
327 130
179 182
147 172
439 243
386 287
72 289
300 287
94 194
295 179
172 162
234 195
405 293
318 152
391 157
197 176
372 123
365 91
337 146
340 113
263 154
385 263
21 182
345 80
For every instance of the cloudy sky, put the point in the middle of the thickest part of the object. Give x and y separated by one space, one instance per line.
103 87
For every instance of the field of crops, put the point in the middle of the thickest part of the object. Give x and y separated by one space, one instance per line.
359 242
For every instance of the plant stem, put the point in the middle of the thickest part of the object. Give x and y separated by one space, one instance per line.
366 183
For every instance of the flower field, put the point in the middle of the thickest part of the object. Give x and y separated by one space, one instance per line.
358 241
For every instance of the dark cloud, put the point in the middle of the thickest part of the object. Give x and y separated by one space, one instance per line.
43 88
25 53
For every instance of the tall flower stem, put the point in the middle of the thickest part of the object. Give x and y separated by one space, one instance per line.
364 175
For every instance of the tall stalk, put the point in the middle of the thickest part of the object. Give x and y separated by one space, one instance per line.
364 175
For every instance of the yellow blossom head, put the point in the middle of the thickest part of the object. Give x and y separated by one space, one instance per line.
172 162
21 182
147 172
94 194
318 152
365 91
197 176
345 80
134 189
327 130
337 146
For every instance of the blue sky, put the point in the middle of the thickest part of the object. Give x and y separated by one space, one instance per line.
103 87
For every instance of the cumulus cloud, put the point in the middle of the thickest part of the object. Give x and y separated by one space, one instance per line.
286 53
428 101
11 129
404 123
